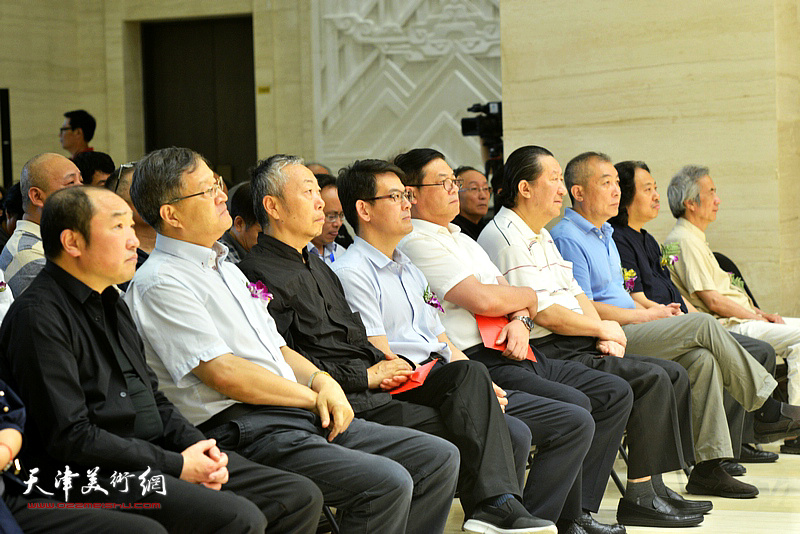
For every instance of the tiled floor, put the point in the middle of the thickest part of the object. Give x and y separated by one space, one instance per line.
776 509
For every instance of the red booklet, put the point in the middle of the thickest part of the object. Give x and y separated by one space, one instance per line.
415 380
490 328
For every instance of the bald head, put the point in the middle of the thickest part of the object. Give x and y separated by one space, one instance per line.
43 175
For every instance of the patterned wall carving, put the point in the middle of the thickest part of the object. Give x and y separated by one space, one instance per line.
390 75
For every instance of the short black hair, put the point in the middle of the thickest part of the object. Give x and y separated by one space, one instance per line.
80 118
158 178
522 164
67 209
627 186
89 162
357 182
325 180
412 163
458 171
12 202
577 170
242 204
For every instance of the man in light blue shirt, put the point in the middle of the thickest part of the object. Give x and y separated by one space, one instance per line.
222 362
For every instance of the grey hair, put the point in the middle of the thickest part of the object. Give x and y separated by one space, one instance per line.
683 187
158 178
268 179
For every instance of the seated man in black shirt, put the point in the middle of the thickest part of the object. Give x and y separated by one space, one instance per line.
70 349
651 286
312 315
473 201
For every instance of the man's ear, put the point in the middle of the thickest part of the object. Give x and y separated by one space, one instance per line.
81 131
524 189
270 204
577 192
36 196
170 216
72 242
239 224
363 210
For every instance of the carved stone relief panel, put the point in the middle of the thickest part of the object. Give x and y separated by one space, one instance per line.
391 75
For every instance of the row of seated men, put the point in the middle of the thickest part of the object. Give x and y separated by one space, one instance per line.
285 383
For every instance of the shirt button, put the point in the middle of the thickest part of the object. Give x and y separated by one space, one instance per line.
2 393
123 394
5 409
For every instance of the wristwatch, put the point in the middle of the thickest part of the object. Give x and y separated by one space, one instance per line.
527 321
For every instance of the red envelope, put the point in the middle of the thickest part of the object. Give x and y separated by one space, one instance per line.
490 328
416 379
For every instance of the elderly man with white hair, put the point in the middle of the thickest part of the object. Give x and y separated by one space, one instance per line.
694 202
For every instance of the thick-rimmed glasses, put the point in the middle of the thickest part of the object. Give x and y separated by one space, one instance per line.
396 196
65 129
449 184
211 192
333 217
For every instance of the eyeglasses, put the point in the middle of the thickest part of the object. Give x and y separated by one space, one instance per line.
449 184
64 129
122 168
333 217
211 192
475 189
396 196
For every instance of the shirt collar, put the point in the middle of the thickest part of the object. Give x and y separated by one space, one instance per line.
433 228
689 227
327 250
588 228
199 255
522 227
76 287
281 249
376 257
30 227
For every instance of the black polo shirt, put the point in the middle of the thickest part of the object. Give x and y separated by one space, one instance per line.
312 315
640 251
62 346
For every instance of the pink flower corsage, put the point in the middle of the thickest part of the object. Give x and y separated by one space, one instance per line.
430 299
259 291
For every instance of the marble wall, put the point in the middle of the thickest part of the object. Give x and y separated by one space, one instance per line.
673 83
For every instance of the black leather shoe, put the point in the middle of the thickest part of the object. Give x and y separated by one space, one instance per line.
656 513
790 446
686 506
788 426
718 482
752 454
733 468
586 524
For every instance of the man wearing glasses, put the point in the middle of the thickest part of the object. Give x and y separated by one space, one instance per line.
77 131
324 246
473 201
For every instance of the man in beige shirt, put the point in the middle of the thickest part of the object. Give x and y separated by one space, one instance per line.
694 202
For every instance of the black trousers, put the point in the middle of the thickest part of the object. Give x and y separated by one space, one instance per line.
578 392
660 424
456 402
740 422
256 497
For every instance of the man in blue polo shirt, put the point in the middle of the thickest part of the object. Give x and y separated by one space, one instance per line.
696 341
